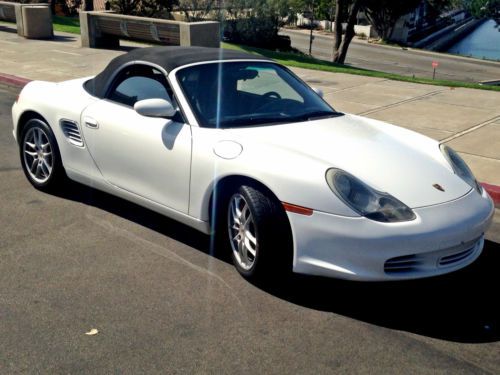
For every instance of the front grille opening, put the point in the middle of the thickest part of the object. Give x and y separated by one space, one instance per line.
402 264
456 258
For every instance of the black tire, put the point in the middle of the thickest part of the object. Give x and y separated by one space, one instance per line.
43 170
270 228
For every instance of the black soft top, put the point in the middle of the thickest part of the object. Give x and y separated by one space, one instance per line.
168 58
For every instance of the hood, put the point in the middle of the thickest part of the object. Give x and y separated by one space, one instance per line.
390 159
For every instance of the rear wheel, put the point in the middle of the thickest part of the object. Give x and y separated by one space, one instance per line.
40 156
258 232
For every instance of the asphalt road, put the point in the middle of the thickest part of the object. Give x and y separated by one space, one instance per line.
163 304
399 61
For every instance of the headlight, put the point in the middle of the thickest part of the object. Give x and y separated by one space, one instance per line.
366 201
460 168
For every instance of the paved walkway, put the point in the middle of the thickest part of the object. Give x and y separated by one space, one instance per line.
467 119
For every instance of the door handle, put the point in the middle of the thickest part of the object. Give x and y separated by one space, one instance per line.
91 123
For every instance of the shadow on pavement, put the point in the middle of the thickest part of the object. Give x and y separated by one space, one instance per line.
56 38
135 213
8 29
461 307
62 38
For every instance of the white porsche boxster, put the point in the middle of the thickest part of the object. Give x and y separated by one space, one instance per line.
236 145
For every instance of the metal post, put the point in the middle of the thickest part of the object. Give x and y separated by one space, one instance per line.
311 24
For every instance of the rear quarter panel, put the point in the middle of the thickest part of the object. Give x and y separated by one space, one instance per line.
55 102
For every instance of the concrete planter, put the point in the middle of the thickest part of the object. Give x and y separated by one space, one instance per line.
37 22
32 20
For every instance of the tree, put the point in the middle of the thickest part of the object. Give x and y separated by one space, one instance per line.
346 11
383 14
144 8
257 22
483 8
125 6
197 10
154 8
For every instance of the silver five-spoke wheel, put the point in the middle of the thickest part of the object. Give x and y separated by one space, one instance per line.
256 225
37 153
242 232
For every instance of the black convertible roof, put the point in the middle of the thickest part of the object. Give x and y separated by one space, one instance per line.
168 58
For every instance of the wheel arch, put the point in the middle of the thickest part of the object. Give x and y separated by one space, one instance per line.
224 186
282 258
24 118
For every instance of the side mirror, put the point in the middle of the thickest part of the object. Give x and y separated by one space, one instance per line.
155 108
318 91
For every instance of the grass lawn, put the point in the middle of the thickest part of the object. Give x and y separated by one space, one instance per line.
72 25
66 24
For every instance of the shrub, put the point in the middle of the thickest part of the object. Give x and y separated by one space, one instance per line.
255 31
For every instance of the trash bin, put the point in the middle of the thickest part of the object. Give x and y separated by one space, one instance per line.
37 21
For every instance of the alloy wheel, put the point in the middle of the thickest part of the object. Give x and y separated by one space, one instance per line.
242 232
37 155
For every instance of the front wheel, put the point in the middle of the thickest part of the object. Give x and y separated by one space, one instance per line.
259 234
39 155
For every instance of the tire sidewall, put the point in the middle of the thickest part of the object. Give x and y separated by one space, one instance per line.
274 251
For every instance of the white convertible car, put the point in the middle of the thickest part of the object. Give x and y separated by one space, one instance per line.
235 144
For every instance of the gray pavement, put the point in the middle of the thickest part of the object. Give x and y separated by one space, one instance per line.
468 119
397 60
163 303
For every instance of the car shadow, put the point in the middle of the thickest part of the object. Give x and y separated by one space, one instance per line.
460 307
135 213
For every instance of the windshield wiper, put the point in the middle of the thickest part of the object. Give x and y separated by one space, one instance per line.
249 121
315 115
269 120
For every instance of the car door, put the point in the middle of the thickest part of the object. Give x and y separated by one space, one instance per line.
147 156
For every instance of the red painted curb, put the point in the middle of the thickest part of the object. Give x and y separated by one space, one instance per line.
493 191
11 80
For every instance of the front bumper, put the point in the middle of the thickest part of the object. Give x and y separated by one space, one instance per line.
15 119
443 238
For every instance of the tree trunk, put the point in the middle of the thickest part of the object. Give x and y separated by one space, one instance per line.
341 53
89 5
339 6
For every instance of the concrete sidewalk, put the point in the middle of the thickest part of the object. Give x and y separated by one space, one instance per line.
467 119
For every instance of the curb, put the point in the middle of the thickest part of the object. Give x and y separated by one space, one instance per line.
10 80
14 81
494 192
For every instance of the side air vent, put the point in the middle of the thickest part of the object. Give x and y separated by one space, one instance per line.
72 132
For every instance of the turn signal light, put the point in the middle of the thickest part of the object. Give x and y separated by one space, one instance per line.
297 209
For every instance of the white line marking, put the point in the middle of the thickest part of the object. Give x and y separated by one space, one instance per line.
67 53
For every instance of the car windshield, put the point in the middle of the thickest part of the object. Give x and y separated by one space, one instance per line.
234 94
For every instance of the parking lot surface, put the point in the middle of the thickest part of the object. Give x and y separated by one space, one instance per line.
162 302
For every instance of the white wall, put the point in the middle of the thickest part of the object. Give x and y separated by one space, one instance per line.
367 31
